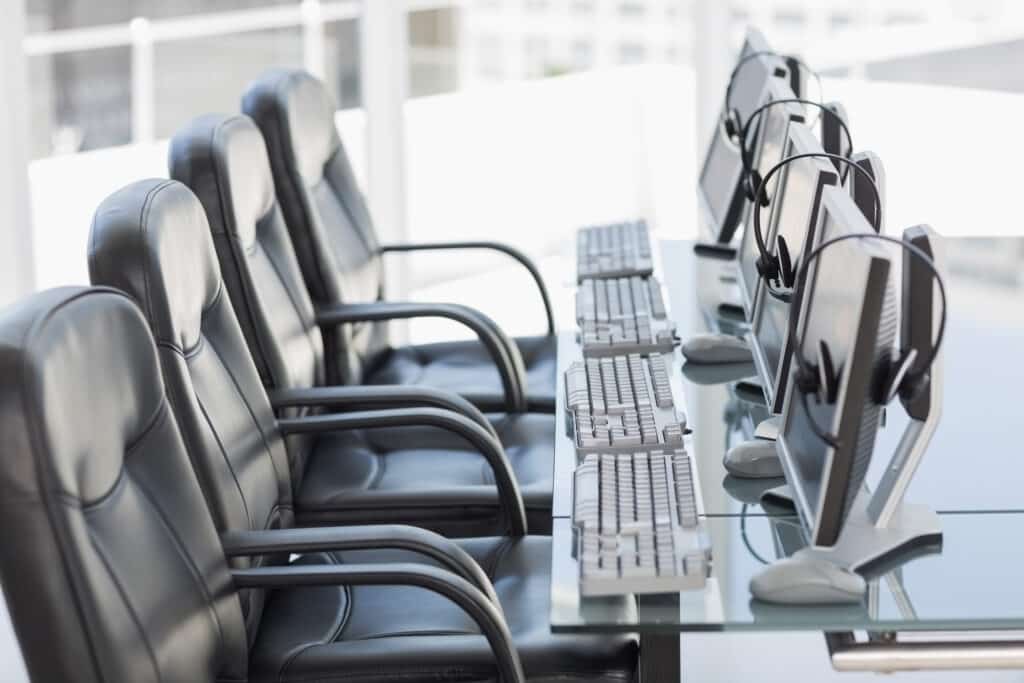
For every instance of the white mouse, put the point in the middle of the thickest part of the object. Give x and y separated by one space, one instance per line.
716 348
754 459
807 578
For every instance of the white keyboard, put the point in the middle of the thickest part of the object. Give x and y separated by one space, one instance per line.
623 315
636 522
616 250
622 403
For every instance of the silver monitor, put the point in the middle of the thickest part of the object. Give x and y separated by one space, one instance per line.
718 197
848 305
768 152
792 216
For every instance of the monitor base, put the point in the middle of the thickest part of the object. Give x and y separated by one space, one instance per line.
715 250
731 312
768 429
862 543
779 501
749 391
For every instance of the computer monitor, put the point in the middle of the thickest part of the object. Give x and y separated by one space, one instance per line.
849 305
767 153
793 216
718 193
862 189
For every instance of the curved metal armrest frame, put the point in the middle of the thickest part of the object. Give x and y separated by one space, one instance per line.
392 536
343 398
506 249
455 588
503 350
509 497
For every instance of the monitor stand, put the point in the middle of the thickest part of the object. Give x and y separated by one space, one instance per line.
882 527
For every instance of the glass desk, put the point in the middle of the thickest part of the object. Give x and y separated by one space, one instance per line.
972 474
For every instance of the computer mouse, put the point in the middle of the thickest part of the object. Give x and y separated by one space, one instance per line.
716 348
754 459
807 578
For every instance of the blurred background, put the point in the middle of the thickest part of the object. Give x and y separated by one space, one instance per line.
508 119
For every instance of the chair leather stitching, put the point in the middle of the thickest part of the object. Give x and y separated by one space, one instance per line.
227 459
179 547
248 406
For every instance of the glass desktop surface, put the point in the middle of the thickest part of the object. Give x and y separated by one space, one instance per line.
973 474
974 460
972 584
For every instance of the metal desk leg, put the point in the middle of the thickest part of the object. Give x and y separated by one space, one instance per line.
889 654
659 658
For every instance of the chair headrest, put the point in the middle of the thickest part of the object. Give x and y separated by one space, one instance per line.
81 385
224 160
151 239
297 107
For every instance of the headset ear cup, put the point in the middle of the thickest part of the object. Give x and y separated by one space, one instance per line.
732 125
785 263
827 374
768 267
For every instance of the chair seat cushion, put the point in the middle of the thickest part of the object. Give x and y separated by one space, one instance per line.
466 368
378 633
425 476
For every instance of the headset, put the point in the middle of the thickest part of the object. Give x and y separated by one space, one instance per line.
778 268
752 178
731 121
821 380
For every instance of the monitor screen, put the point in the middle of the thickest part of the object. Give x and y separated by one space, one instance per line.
722 168
793 215
848 305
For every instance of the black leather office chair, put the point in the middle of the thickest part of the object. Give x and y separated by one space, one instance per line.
427 477
112 566
341 259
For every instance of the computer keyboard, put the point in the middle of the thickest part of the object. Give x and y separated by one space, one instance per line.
616 250
623 315
622 403
636 522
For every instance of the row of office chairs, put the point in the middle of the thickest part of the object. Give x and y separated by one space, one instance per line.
219 471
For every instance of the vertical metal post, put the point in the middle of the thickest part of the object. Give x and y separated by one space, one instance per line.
143 81
384 40
711 52
314 53
17 265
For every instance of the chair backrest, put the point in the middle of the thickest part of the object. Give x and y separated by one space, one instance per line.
152 241
326 214
110 562
223 159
